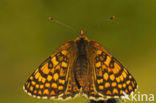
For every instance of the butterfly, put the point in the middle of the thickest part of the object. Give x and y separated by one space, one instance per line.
80 67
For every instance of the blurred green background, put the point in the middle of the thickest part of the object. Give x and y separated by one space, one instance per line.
27 38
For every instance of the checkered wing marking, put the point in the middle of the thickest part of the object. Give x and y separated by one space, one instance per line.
51 79
111 78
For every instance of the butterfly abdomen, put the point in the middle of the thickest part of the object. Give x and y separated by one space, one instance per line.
81 64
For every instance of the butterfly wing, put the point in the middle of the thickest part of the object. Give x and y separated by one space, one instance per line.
53 79
110 77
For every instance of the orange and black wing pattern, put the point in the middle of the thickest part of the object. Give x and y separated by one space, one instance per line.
111 78
52 79
80 67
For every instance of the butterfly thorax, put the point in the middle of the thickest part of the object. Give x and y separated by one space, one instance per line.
81 63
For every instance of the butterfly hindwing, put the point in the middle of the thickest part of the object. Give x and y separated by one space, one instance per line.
52 78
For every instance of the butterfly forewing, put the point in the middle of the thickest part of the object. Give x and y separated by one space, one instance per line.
52 79
110 76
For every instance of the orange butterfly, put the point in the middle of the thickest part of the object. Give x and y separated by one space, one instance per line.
80 67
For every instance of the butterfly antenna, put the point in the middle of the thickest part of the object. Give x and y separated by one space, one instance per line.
65 25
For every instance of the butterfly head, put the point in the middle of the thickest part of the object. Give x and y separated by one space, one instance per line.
81 35
82 32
